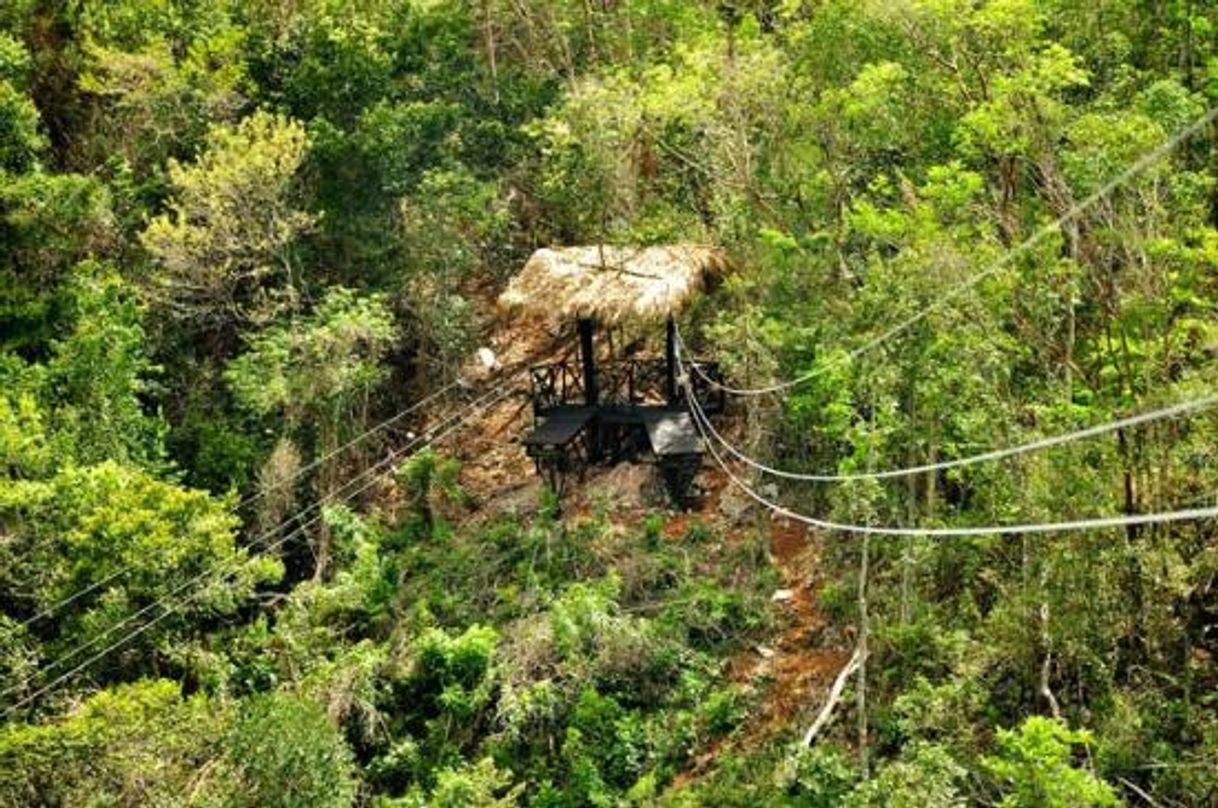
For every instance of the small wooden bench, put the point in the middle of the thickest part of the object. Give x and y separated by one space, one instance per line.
677 446
558 428
559 443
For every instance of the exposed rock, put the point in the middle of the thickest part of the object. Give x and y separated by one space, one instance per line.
734 506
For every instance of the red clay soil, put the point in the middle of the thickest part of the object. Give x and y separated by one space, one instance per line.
803 667
493 462
794 680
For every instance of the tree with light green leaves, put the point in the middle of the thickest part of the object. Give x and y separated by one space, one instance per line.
225 250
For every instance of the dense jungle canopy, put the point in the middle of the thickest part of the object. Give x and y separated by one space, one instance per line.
249 247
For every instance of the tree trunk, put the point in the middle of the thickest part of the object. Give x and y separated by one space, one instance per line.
326 476
488 30
864 629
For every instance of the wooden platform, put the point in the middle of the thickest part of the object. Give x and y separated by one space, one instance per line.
670 432
560 426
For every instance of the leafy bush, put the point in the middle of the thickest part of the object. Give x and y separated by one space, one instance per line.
1033 767
284 751
20 140
723 710
455 672
821 776
924 774
141 743
478 785
713 616
125 539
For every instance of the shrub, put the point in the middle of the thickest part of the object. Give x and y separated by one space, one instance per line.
285 752
653 531
455 671
477 785
134 744
1034 769
821 776
925 775
723 710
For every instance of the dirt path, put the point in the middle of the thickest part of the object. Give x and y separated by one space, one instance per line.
802 666
795 670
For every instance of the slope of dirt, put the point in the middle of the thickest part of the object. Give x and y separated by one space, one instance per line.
791 675
494 465
803 664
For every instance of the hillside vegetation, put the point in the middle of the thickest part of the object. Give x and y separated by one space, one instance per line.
240 238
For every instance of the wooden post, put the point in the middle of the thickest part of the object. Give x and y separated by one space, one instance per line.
670 356
587 353
587 356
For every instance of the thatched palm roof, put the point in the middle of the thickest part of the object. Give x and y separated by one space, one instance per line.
612 284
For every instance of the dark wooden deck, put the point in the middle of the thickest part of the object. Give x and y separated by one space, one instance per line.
669 432
626 410
560 426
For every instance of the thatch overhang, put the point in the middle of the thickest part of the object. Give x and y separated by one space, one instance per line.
613 284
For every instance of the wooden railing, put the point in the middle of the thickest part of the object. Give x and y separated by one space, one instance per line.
555 384
630 382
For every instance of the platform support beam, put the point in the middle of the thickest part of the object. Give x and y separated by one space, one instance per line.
670 358
587 358
587 355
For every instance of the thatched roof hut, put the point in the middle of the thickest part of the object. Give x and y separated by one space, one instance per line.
612 284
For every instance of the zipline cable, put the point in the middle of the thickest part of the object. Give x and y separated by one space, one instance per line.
169 610
212 571
1173 411
298 530
1161 517
488 399
1144 162
248 499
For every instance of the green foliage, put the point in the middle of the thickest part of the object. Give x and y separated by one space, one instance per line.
20 137
217 261
321 366
51 223
480 785
821 776
332 63
99 375
23 443
450 224
115 540
284 751
923 775
14 60
456 671
318 374
423 476
140 743
710 614
87 402
234 234
151 96
653 531
723 711
1034 767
